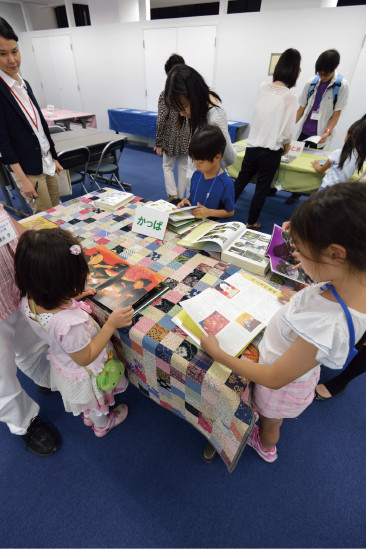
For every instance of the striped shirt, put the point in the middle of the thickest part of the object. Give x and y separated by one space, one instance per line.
9 293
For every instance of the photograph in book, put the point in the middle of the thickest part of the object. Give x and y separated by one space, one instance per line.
281 259
104 265
237 245
235 310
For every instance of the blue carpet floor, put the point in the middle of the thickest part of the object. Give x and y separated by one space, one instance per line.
145 485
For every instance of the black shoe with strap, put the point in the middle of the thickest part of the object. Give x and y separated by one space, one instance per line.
40 439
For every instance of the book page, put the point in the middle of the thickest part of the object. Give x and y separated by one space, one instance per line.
250 244
235 310
220 235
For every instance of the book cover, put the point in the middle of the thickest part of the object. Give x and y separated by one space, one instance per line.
119 284
281 259
37 223
113 201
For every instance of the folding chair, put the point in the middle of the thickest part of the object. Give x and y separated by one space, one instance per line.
76 161
56 129
99 170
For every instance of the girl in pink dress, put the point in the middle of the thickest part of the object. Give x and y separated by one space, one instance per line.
50 270
320 324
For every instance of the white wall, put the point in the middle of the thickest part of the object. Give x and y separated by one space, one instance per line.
13 15
110 58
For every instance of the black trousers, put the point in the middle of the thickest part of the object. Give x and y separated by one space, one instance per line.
263 162
356 367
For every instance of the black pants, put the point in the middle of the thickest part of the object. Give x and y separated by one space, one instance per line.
356 367
264 163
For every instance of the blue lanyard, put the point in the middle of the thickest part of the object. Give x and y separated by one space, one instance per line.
352 350
208 194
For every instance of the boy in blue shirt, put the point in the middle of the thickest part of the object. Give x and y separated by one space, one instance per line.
212 190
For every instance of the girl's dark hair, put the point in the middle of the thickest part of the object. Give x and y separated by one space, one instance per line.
6 31
335 215
327 61
185 81
355 144
174 59
46 270
287 68
207 142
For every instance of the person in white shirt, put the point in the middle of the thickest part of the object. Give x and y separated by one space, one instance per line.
25 142
342 163
272 126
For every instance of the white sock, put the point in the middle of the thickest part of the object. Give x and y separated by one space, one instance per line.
99 420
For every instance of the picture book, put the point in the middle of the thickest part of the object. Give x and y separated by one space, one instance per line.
238 245
281 259
235 311
37 222
180 219
119 284
113 201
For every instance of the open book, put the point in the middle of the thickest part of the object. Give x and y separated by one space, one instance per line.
238 245
280 255
119 284
180 219
235 311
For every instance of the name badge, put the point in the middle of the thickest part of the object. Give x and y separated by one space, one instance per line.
7 232
315 115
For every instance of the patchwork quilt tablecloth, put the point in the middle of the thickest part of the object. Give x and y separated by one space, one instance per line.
162 361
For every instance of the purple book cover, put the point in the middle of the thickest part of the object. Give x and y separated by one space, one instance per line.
281 258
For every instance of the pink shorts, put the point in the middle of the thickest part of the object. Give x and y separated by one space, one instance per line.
287 402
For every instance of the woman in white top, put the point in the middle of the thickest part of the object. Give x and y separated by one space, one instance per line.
270 134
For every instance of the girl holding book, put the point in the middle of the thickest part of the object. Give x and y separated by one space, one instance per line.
51 271
320 324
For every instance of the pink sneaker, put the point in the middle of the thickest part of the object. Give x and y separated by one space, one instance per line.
85 416
115 417
269 455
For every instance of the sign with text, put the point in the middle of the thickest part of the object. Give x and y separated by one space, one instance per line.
296 148
150 222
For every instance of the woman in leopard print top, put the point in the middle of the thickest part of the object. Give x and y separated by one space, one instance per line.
172 141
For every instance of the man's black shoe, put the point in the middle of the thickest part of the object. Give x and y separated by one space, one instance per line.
272 191
292 198
40 439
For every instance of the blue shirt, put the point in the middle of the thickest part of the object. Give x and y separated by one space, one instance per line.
222 194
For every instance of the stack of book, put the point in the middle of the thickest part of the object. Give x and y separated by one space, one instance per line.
113 200
180 219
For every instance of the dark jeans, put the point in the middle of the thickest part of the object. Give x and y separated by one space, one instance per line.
264 163
356 367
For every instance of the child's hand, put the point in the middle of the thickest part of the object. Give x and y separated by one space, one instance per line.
201 211
88 291
184 202
210 344
286 295
121 317
316 165
286 226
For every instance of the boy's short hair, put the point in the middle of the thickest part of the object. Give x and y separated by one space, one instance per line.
327 61
207 142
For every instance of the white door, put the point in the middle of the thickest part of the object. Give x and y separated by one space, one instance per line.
195 44
159 46
47 72
56 65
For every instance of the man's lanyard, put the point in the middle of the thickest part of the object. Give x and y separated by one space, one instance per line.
208 194
24 107
352 350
